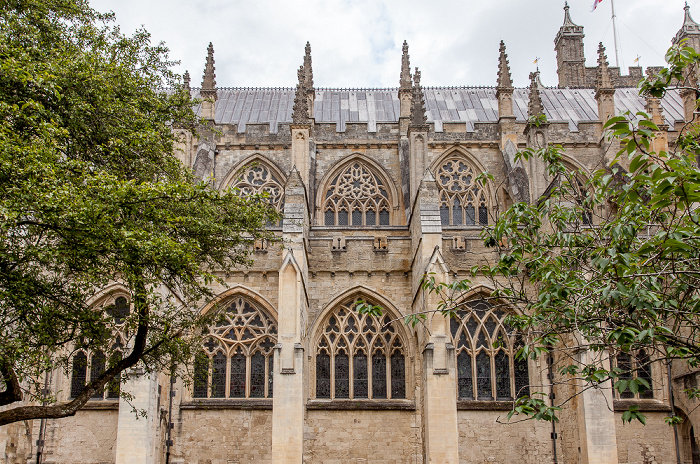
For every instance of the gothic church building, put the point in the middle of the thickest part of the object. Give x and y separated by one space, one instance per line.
378 187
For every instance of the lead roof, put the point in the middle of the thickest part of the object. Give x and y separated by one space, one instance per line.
468 105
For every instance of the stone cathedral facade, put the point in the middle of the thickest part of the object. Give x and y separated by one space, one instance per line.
378 187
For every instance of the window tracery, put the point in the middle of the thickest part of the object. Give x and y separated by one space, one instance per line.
237 357
487 368
463 201
356 197
259 179
87 365
359 356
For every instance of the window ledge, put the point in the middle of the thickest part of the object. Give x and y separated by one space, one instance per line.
101 405
484 405
643 405
361 405
228 403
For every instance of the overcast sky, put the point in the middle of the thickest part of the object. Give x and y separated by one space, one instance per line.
357 43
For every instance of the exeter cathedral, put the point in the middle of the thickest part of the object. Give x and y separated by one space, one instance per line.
379 187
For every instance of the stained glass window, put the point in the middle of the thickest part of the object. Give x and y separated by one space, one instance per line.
461 196
257 376
487 366
259 179
398 375
464 376
237 360
342 376
119 310
359 190
97 367
348 336
378 376
201 375
218 376
323 376
79 374
91 365
360 376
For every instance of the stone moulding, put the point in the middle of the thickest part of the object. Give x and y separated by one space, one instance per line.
361 405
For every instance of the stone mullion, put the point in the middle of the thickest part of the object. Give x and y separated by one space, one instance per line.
248 374
210 374
332 369
387 369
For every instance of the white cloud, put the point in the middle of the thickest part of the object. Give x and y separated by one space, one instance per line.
357 43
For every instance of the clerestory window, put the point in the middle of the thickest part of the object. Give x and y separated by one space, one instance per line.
463 201
259 179
356 197
359 356
237 358
487 366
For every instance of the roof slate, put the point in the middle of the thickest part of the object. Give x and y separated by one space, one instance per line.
467 105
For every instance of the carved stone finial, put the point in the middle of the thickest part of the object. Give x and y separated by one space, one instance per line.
209 78
300 110
534 106
308 70
405 81
689 28
602 74
186 81
504 78
418 116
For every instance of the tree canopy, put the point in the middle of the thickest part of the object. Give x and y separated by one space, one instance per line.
92 194
610 264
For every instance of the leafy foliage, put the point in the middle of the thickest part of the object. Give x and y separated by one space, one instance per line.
611 264
91 193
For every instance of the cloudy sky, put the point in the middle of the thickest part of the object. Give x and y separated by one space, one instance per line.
357 43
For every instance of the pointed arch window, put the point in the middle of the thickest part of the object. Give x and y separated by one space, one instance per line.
259 179
359 356
356 197
487 366
237 356
463 201
88 365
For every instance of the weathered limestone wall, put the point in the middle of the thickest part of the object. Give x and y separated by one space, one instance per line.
89 437
483 440
16 442
652 443
223 436
354 437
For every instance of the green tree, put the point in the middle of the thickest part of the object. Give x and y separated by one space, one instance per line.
612 266
92 193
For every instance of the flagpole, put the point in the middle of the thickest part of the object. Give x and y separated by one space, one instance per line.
617 57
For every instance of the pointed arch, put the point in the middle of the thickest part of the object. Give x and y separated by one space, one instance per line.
257 175
359 356
234 173
236 358
485 350
463 200
356 192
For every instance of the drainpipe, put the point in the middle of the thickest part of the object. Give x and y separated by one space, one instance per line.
169 440
550 376
673 409
42 424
